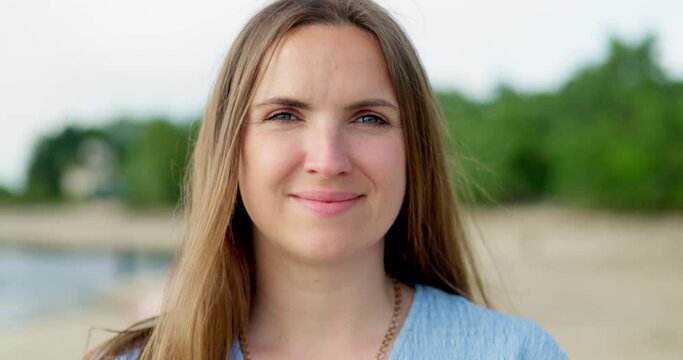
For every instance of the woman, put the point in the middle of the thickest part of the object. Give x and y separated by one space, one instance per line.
321 221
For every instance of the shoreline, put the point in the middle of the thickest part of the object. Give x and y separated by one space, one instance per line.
65 334
99 226
602 284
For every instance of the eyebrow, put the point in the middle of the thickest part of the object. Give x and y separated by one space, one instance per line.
284 101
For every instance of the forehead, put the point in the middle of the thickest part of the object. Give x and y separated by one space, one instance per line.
326 64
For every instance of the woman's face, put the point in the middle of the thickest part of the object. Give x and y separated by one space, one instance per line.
323 170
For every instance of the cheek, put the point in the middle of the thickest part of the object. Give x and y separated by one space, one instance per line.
383 160
267 159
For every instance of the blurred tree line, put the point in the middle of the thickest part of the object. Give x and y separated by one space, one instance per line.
611 136
142 161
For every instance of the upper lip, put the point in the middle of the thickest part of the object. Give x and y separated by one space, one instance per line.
327 196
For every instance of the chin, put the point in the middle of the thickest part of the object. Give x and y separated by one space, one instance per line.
329 248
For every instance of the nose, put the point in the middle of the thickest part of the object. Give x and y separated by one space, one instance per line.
327 153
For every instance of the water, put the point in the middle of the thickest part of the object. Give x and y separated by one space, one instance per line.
35 282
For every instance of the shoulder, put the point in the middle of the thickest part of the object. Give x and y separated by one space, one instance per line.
445 310
454 325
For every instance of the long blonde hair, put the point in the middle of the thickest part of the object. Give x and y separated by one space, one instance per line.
209 298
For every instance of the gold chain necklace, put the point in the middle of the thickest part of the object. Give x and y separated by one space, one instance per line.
391 331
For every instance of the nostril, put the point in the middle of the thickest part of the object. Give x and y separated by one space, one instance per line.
327 158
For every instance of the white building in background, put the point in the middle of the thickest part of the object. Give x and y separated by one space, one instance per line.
95 174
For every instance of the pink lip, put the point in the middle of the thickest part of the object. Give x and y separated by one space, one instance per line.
327 203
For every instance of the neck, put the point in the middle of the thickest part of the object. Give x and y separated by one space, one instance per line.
300 305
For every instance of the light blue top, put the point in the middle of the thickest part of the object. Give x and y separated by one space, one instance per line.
444 326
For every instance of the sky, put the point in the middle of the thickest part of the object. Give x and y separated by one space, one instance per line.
89 61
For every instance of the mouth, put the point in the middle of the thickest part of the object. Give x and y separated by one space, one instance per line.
328 204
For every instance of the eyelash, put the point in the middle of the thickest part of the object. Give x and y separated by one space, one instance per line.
382 122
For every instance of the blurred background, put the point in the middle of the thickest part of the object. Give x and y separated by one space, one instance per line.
566 118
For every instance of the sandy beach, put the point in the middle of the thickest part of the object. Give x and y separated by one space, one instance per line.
103 226
604 285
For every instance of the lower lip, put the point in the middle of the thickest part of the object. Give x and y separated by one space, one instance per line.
328 209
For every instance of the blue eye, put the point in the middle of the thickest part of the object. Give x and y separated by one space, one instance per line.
283 116
371 119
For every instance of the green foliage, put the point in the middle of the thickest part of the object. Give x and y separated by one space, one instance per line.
150 160
612 136
52 155
6 195
155 165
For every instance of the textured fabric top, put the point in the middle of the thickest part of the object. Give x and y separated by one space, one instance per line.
445 326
